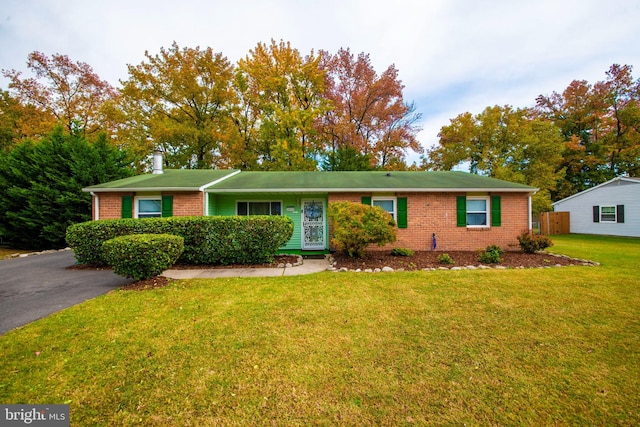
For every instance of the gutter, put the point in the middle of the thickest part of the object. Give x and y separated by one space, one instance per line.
96 206
138 189
359 190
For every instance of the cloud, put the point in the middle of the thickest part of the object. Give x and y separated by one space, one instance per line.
453 56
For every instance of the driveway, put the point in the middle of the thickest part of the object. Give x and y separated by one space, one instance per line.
35 286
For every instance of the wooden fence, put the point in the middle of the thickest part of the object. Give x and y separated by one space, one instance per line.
554 223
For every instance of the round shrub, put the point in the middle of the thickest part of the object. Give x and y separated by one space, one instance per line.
356 226
402 252
141 256
445 259
532 243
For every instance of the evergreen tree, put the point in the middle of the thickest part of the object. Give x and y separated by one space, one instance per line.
41 183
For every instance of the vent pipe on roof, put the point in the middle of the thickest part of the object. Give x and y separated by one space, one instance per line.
157 162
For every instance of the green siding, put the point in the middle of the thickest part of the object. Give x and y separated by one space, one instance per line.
225 205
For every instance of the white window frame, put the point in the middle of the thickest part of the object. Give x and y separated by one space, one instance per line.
136 208
259 201
615 214
393 199
487 211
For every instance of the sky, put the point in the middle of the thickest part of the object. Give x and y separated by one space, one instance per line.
453 56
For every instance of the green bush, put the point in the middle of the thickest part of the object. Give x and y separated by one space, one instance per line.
445 259
532 243
401 252
141 256
207 240
491 255
356 225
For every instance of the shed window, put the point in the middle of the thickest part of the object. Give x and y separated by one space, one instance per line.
607 214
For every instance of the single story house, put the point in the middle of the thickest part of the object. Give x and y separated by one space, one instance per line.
611 208
460 211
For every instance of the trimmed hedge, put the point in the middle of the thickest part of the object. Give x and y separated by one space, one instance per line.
208 240
141 256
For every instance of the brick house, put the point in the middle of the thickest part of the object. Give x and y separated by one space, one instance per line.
464 211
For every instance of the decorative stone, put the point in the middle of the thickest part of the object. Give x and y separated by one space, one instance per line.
387 269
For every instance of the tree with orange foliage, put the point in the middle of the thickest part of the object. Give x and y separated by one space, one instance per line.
369 117
600 124
179 101
69 92
281 98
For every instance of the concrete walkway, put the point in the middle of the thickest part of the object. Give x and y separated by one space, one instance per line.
308 266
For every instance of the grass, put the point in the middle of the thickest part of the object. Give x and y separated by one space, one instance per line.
557 346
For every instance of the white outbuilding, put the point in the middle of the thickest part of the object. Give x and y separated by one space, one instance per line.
611 208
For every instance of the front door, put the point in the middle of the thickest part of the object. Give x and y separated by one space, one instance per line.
313 225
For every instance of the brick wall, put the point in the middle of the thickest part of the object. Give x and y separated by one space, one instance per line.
184 204
430 213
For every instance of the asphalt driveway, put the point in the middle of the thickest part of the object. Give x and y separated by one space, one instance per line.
35 286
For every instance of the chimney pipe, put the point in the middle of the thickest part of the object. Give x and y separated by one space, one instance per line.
157 162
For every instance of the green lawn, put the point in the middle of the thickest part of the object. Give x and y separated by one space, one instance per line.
558 346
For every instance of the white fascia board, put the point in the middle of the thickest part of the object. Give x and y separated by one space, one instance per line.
374 190
136 189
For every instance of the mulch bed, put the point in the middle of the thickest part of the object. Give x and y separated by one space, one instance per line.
373 260
429 259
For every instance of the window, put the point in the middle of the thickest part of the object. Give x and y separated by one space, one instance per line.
607 214
388 204
148 207
477 211
259 208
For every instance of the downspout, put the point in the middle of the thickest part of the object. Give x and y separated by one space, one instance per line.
530 213
96 206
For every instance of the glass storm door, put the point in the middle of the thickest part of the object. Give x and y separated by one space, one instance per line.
313 225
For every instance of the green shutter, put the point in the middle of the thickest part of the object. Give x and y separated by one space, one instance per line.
167 206
461 211
127 207
402 212
496 219
366 200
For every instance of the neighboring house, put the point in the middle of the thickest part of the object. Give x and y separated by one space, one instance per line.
611 208
465 211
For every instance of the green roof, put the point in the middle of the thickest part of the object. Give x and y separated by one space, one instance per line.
380 181
234 181
170 180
